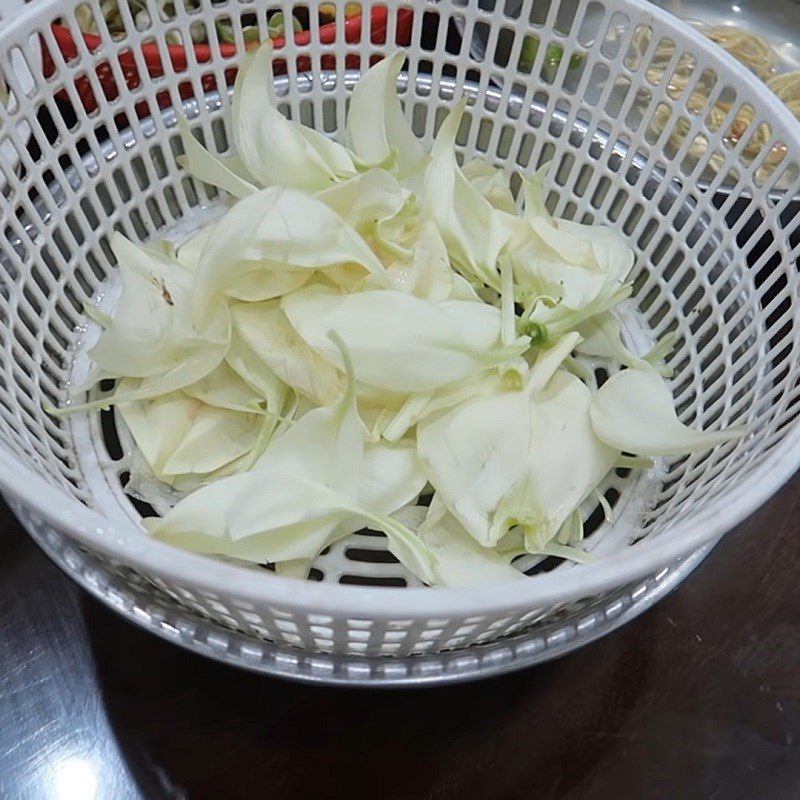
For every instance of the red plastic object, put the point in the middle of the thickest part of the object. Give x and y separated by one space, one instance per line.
177 55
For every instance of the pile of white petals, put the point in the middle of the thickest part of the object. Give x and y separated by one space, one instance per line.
370 322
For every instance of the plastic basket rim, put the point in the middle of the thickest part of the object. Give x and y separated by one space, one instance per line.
130 546
417 671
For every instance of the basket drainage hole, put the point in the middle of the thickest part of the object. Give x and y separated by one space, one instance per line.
368 556
108 426
367 580
545 565
143 509
593 521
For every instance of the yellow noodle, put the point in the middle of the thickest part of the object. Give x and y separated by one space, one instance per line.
752 50
787 87
757 55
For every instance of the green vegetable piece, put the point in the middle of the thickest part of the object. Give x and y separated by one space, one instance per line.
250 35
276 27
552 56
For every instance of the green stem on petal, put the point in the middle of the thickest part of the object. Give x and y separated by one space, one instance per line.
406 416
577 369
570 321
508 321
566 551
664 346
608 514
635 462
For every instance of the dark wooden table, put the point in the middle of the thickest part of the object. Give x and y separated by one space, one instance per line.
700 698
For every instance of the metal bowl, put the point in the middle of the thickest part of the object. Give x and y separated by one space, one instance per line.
778 21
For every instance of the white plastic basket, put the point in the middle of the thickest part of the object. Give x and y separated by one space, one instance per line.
719 267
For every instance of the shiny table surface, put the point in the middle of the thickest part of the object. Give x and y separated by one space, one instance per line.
699 698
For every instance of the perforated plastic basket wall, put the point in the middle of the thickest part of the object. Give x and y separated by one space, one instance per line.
717 264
